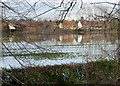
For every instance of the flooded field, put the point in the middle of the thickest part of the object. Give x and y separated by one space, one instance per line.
91 58
60 42
42 50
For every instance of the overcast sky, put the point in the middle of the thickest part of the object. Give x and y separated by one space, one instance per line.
52 14
113 1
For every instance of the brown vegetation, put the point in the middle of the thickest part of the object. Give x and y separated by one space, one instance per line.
47 27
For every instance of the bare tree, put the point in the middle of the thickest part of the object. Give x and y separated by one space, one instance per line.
34 11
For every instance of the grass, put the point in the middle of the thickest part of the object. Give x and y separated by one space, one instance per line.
55 55
50 55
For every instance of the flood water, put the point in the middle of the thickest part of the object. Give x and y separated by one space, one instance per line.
43 50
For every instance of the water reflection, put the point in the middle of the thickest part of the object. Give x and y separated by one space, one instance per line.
74 48
70 39
63 38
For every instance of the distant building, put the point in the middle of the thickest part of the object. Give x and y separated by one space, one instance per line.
79 24
68 24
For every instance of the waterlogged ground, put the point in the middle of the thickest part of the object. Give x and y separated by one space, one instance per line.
61 59
57 49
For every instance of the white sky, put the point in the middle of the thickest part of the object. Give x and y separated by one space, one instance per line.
113 1
50 14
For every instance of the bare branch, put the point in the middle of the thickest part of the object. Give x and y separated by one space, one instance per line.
106 3
49 10
14 10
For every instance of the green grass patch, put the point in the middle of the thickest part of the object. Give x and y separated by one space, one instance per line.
43 55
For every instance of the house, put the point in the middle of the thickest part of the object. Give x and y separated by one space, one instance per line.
68 24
